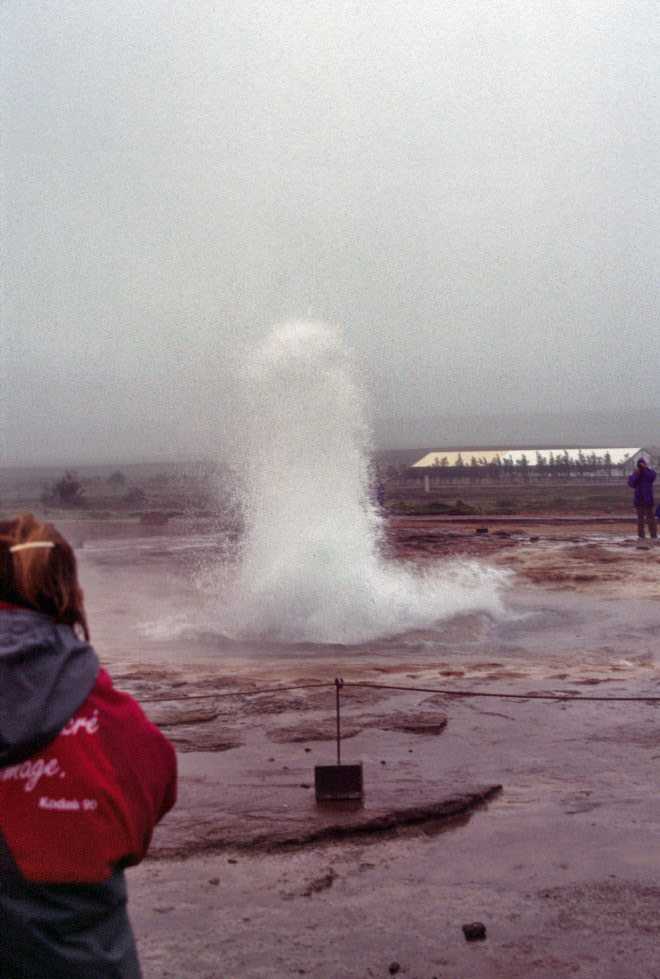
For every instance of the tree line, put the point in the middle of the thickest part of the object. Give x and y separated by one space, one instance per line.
559 465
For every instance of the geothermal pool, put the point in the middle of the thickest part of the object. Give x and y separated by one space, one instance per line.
154 596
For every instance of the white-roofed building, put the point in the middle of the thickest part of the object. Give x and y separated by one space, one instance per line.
442 468
532 457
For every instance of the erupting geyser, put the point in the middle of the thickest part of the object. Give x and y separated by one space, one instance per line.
310 566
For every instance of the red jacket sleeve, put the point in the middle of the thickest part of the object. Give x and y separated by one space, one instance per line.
144 762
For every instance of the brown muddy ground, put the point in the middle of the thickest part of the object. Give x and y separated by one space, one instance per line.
249 878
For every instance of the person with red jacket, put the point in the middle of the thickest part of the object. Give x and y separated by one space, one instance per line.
84 775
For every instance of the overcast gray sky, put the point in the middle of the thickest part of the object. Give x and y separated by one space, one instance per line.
471 188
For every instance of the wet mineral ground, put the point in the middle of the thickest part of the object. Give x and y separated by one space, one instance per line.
538 818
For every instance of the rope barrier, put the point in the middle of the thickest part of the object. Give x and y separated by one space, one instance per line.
339 684
234 693
388 686
503 696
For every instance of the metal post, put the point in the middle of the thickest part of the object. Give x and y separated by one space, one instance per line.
339 683
337 782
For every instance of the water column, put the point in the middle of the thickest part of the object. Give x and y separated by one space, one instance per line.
310 566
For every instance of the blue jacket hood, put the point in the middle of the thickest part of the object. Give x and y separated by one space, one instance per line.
46 673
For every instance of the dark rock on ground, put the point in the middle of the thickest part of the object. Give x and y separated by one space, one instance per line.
178 712
203 739
208 828
415 722
320 883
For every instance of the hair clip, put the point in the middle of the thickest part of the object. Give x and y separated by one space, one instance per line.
30 545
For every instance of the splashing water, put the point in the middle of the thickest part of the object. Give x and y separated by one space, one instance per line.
310 567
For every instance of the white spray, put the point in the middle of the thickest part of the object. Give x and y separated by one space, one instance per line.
311 568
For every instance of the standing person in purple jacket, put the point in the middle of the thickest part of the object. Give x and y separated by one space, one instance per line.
642 482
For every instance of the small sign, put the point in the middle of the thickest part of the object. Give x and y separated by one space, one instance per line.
338 782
